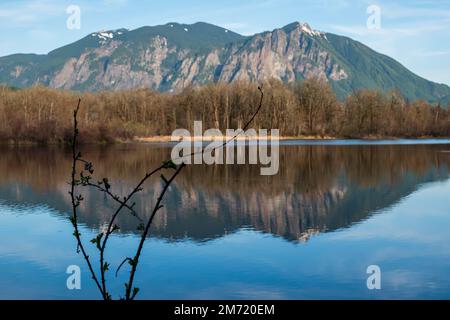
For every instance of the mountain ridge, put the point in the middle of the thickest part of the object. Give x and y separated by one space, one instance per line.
174 56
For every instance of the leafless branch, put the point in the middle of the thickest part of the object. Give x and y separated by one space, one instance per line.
101 241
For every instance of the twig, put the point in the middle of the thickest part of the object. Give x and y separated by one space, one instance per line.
102 239
134 262
77 199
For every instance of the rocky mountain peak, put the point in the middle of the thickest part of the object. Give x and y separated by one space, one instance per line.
174 56
303 27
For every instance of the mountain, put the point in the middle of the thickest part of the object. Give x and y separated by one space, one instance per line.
174 56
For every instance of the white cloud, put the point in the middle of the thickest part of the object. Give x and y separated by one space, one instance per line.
432 53
235 25
115 2
412 10
400 30
31 11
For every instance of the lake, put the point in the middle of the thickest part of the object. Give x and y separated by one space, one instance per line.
226 232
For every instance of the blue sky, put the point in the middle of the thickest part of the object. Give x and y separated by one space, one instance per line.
415 32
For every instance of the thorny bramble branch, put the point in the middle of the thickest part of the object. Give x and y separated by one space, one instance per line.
85 178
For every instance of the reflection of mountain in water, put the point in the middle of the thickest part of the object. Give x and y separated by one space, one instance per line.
319 188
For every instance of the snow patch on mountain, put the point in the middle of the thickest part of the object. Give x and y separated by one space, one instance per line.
105 35
305 27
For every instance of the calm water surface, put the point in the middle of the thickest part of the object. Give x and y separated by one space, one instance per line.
228 233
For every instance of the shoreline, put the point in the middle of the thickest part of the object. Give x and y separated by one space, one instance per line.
161 139
168 139
224 138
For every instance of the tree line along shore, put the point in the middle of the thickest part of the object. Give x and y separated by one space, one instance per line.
308 109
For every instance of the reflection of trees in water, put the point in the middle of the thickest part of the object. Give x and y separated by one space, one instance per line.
318 188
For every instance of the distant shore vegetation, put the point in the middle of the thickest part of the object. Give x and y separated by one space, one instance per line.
40 115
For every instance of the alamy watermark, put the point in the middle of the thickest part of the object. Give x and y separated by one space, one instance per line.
374 19
73 281
374 280
228 148
74 20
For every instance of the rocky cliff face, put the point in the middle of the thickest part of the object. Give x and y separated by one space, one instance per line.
172 57
162 65
286 54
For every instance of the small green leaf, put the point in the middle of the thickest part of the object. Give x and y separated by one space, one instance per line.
169 165
76 234
89 167
106 183
135 292
132 262
97 240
